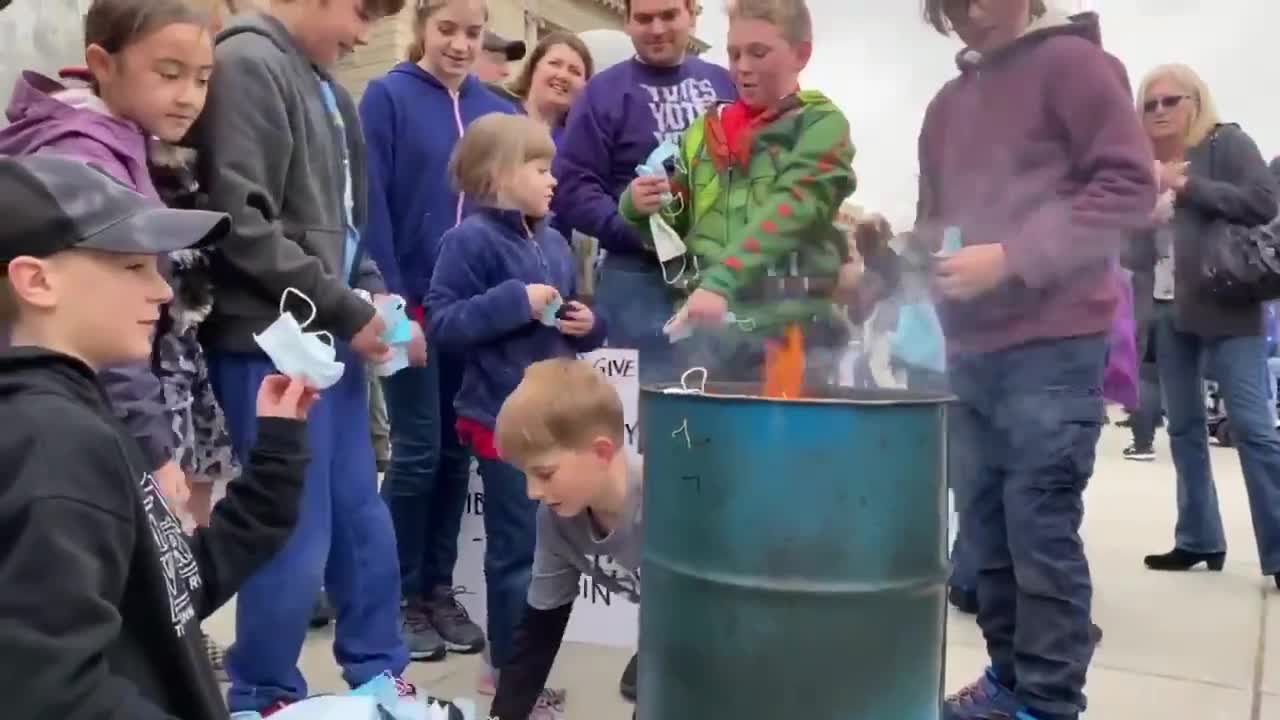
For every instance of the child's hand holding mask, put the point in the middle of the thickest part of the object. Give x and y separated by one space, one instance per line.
544 303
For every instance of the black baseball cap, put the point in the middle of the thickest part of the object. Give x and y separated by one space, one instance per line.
513 50
49 204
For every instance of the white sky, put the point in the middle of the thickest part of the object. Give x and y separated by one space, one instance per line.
881 63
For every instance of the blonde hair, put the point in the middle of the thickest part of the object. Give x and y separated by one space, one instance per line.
422 12
791 16
494 145
562 403
1204 116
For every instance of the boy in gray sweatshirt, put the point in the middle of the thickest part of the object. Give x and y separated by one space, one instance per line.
281 151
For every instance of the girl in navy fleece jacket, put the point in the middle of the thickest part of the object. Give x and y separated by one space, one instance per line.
502 297
1034 155
413 117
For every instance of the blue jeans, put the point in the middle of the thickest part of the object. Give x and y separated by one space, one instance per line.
510 526
636 303
1238 364
343 541
963 573
426 483
1029 418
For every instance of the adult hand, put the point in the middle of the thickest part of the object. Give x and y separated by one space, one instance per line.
284 397
647 192
972 271
578 320
417 347
172 482
540 296
1172 176
706 309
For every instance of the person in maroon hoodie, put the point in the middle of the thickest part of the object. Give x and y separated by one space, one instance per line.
1033 155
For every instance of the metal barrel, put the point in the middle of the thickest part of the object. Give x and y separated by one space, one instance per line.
795 560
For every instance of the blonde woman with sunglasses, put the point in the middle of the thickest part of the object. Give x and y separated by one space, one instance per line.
1210 172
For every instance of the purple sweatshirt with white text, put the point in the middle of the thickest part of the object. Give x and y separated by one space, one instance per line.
622 115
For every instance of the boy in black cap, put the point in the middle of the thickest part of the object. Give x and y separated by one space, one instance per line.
102 593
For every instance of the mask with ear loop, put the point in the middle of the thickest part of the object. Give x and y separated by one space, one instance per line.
302 355
667 243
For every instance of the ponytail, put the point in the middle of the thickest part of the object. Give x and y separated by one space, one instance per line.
417 48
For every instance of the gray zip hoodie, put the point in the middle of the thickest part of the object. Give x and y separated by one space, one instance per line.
271 156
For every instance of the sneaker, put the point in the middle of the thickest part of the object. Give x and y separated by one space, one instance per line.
1133 452
414 705
549 705
627 686
420 635
549 698
452 622
217 658
985 699
275 707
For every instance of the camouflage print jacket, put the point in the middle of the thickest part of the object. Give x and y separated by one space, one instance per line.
760 225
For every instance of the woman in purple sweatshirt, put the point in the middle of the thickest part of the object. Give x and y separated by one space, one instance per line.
1034 156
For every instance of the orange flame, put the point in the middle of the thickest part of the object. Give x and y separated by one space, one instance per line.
784 365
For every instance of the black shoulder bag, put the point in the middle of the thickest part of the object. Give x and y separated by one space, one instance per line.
1240 265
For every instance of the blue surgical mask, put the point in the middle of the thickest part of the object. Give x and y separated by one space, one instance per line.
655 165
399 332
918 339
549 313
307 356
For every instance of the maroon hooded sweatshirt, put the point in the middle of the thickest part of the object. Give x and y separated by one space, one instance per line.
1037 146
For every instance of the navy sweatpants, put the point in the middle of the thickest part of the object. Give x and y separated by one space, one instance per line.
344 541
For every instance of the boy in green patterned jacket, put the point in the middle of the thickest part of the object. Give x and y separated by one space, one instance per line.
753 198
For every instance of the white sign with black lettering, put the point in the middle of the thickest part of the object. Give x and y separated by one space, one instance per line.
600 617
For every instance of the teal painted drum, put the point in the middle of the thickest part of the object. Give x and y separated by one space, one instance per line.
795 557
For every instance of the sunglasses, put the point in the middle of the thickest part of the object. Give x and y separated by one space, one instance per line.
1167 102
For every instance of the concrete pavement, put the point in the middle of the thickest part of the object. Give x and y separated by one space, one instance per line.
1178 646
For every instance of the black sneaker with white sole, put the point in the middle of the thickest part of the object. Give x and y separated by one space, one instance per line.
1133 452
419 635
451 620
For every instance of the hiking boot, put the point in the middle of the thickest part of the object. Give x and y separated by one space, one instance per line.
419 634
451 621
1140 454
985 699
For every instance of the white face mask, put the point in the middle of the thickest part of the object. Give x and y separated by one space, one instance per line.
666 241
306 356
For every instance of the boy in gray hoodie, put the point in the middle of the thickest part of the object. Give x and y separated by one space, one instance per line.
281 151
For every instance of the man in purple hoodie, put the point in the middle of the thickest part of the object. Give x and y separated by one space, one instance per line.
1034 155
623 114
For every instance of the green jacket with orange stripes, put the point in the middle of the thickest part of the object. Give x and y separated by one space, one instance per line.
759 225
